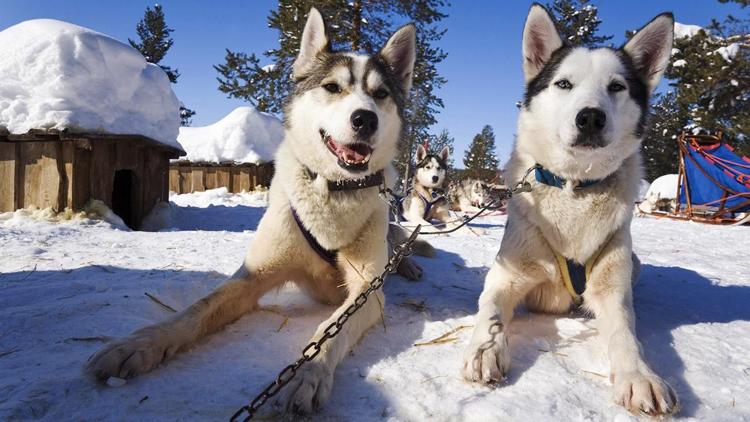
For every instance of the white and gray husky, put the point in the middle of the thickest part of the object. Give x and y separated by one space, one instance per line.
468 195
426 200
325 228
568 241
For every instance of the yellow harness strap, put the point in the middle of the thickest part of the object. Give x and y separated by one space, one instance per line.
575 276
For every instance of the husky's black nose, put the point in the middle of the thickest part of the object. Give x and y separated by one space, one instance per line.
591 120
364 123
434 179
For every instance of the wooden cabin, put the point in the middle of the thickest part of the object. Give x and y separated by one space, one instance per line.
59 169
187 176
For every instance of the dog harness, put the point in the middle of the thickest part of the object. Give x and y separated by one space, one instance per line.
327 255
437 196
574 274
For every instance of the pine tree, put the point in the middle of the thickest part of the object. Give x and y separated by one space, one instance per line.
710 77
436 143
359 25
480 161
711 72
578 22
155 41
424 103
659 146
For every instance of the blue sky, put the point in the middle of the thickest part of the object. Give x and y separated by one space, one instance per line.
483 42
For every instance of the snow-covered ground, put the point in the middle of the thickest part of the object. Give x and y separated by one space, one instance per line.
68 286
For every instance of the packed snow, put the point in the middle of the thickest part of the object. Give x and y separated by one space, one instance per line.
69 285
729 52
243 136
682 30
54 74
663 187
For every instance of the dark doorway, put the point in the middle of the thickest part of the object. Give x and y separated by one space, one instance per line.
122 196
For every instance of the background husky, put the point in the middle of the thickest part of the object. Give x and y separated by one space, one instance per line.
342 124
426 200
582 119
468 195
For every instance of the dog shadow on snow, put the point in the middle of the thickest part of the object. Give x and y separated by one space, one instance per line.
91 305
667 298
226 370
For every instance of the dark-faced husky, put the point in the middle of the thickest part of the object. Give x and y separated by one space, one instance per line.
426 200
568 241
325 227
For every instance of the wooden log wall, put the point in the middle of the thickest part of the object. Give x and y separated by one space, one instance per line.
61 171
185 177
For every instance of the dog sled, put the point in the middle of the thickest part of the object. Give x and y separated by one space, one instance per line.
713 183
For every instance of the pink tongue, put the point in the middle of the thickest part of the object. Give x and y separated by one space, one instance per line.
350 154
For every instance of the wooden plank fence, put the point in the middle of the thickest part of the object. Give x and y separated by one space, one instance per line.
187 177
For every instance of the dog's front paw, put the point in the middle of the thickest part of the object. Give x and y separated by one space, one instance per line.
131 356
487 359
644 393
308 390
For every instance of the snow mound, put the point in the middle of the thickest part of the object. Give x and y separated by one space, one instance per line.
664 188
681 30
244 136
56 75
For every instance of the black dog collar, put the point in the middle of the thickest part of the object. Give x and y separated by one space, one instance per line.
375 179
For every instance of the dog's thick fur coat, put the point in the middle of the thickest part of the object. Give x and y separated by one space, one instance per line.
567 88
342 122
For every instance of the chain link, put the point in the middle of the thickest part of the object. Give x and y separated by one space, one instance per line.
313 348
399 252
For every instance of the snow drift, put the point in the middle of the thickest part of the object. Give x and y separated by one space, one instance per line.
663 189
682 30
244 136
56 75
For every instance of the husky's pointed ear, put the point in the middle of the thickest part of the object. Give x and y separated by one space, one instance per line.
421 153
314 40
540 40
650 49
399 53
444 153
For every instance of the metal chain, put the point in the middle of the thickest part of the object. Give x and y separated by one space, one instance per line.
392 199
399 252
314 347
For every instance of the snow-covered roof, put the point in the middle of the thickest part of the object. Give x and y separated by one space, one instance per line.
244 136
682 30
56 75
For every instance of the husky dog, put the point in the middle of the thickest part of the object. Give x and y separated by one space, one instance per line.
426 201
325 227
468 195
568 240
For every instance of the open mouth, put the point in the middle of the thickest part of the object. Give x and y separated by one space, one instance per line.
353 157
